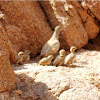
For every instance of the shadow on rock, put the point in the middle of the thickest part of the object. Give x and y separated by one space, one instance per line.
30 90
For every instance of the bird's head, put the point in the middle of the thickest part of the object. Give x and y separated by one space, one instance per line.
2 16
62 52
51 57
27 52
21 53
73 48
58 29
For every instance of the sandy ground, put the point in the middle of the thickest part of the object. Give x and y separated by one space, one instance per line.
82 82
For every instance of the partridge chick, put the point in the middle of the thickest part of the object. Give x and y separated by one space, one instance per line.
52 46
2 16
70 57
59 60
19 58
46 60
26 56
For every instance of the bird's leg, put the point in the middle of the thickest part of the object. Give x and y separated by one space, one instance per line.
20 63
60 64
40 56
28 58
72 65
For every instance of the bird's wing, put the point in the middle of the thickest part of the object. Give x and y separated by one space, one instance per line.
68 58
45 49
55 47
56 61
50 48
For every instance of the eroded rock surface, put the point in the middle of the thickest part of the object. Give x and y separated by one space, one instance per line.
79 19
32 26
7 76
26 25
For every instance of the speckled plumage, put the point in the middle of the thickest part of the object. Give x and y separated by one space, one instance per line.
26 56
59 60
70 57
19 57
46 60
52 46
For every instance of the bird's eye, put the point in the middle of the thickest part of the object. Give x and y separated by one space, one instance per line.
76 50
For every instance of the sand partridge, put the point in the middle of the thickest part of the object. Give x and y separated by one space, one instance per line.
19 58
59 60
52 46
70 57
46 60
26 56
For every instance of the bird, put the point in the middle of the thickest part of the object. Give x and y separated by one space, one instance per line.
19 58
52 46
59 60
46 60
70 57
26 56
2 16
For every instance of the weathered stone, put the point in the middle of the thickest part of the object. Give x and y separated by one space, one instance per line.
4 96
74 32
49 12
7 76
88 20
27 29
69 14
93 6
91 28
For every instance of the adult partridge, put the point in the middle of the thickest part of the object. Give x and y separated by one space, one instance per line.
52 46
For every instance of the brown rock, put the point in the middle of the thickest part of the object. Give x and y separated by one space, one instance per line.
93 6
27 29
12 52
47 8
18 92
88 20
74 32
4 96
91 28
7 76
70 14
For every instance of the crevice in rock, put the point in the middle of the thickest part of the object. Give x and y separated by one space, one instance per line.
46 16
66 88
97 22
80 17
79 13
93 44
90 13
80 4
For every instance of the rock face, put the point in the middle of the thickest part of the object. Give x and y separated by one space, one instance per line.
26 25
88 19
77 17
29 25
7 76
32 26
